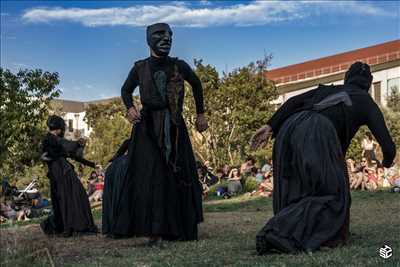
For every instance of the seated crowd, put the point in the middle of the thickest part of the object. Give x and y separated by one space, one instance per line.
370 175
21 205
229 181
95 186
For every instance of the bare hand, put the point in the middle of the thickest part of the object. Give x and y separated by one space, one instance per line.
201 123
133 115
261 136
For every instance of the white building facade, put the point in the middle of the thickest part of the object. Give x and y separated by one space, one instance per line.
384 60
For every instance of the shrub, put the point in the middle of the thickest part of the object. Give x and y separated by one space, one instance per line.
250 184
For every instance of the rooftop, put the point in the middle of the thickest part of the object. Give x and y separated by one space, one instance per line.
329 65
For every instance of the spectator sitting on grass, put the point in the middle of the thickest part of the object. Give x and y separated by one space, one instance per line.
267 166
91 183
227 170
359 179
99 186
382 180
351 169
260 176
9 213
247 167
372 181
265 188
394 176
234 182
205 188
220 176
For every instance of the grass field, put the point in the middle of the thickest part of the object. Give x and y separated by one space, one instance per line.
227 238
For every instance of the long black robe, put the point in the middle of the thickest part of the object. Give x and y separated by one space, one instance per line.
71 208
113 186
311 197
161 193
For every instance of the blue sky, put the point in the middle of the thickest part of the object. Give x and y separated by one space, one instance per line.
93 44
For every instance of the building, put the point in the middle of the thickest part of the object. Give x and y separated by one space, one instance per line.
384 60
73 113
291 80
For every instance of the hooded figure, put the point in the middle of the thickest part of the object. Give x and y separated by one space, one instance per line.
312 132
71 210
161 196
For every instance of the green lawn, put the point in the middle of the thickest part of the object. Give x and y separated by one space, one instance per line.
227 238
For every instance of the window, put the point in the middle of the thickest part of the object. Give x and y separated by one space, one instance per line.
70 126
377 92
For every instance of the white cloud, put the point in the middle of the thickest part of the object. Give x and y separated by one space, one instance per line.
18 65
181 14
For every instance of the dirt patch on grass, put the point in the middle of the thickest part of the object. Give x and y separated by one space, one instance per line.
23 241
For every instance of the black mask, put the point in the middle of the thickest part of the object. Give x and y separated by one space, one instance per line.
55 122
360 75
159 38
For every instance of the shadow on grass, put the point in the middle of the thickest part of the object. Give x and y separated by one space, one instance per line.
239 203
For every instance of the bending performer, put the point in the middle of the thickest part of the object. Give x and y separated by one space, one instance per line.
311 197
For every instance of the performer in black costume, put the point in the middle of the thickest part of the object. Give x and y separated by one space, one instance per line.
162 197
114 176
71 208
311 198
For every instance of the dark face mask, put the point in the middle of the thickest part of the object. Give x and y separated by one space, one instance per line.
62 133
159 38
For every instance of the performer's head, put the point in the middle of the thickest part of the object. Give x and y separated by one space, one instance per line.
159 39
56 124
359 74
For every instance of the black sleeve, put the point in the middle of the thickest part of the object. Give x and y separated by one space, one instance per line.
292 105
84 161
190 76
376 123
121 150
53 147
129 86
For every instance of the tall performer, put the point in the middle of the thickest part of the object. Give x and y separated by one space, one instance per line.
71 208
161 196
311 197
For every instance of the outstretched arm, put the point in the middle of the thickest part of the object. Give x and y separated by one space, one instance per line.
376 123
272 127
84 161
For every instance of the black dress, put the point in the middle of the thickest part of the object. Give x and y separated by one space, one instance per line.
161 193
113 187
311 198
71 208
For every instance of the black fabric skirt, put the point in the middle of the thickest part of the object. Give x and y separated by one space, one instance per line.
311 192
71 208
155 200
113 186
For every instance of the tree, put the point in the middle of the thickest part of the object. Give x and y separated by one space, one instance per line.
24 105
109 129
393 101
236 105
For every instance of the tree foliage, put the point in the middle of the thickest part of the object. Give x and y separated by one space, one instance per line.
24 101
236 104
393 101
109 129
